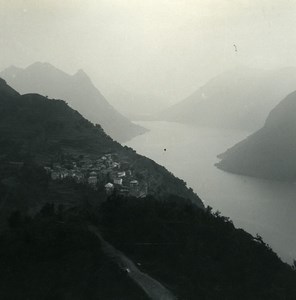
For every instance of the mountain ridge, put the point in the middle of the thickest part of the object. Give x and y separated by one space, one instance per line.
269 152
237 99
33 127
78 90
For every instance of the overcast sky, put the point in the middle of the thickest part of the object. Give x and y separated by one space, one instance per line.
153 46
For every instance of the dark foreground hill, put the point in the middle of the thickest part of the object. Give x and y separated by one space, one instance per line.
192 252
198 254
50 257
271 151
238 99
78 91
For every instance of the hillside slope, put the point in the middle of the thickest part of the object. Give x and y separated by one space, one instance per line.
78 91
169 248
54 258
271 151
33 127
238 99
32 124
198 254
167 242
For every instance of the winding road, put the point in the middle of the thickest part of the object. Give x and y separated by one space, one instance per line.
153 289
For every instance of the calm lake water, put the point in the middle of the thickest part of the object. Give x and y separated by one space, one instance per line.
258 206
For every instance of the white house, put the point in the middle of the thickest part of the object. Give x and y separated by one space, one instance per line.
117 181
109 187
121 174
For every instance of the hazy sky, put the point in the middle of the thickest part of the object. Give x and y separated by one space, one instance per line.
153 46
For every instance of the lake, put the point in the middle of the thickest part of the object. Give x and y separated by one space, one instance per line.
258 206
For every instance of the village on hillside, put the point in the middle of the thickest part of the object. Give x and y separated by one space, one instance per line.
113 176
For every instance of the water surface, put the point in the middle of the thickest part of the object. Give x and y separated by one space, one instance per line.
258 206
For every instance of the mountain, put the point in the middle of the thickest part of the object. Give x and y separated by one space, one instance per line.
269 152
77 90
34 125
238 99
35 128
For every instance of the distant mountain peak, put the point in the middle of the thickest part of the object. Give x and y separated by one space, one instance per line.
45 69
80 72
13 68
81 75
39 64
80 93
12 71
269 152
239 98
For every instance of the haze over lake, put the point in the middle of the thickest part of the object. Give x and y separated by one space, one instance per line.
256 205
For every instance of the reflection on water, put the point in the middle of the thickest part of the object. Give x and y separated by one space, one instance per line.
258 206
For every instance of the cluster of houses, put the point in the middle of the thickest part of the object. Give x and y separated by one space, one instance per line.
116 177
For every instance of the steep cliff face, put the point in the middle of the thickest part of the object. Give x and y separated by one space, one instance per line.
78 91
271 151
